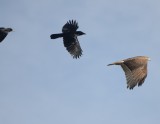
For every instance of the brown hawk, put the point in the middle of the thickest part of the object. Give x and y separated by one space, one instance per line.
135 70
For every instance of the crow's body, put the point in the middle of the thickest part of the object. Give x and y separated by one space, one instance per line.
70 40
4 32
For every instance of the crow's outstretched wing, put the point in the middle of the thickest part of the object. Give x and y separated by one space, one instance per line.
72 45
70 27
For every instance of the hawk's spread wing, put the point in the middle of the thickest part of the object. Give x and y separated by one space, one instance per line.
135 69
70 27
72 45
135 76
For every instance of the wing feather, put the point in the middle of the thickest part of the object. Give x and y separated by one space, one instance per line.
70 26
136 76
128 73
73 46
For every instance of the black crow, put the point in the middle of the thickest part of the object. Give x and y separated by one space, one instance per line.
70 40
4 32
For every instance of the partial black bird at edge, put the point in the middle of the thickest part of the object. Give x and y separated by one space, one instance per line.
4 32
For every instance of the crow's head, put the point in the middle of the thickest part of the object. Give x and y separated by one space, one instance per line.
79 33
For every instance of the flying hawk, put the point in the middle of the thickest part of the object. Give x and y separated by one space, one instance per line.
135 70
70 40
4 32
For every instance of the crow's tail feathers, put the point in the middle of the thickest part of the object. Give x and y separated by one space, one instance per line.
54 36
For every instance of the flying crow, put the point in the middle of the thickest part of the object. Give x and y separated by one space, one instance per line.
70 40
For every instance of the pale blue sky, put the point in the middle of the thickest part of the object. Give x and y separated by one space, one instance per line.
40 83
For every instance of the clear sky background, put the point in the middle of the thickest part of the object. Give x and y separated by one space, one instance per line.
40 83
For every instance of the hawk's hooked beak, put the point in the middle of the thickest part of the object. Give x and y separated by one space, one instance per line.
149 59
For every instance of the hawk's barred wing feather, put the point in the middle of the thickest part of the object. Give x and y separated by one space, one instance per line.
135 76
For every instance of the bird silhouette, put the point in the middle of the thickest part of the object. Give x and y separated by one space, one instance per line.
70 40
135 70
4 32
